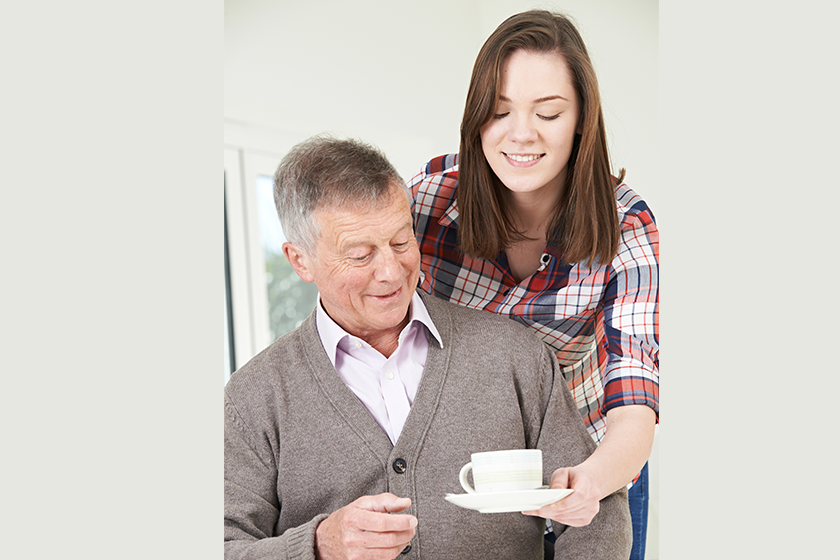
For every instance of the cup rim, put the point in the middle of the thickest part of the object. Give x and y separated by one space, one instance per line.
507 451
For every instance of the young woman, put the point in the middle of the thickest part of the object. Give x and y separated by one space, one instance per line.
527 221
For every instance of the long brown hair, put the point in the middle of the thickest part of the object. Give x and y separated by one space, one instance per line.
585 223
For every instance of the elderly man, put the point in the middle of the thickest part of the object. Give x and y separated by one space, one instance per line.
343 437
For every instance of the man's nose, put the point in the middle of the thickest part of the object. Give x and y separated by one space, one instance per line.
388 266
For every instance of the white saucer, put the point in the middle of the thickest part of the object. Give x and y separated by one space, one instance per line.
502 502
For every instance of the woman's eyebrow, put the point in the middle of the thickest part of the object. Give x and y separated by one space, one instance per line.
540 100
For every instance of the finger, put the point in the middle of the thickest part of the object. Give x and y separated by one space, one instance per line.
560 479
568 505
576 519
542 512
548 512
378 545
347 532
576 516
384 503
378 540
373 521
400 504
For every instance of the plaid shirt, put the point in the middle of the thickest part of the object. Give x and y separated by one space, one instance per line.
602 322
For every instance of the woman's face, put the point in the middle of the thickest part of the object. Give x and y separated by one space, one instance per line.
529 139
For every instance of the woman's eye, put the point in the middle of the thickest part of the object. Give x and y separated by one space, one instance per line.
500 115
551 118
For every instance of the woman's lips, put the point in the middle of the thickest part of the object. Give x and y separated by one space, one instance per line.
523 160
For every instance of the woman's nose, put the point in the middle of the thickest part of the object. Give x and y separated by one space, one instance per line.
522 130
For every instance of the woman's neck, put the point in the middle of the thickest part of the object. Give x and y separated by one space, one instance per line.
532 212
531 217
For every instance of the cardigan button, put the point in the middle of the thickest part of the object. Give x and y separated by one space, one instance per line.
407 549
400 466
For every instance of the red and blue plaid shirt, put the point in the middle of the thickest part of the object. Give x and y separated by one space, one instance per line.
602 322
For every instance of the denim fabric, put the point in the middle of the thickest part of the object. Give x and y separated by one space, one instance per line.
638 498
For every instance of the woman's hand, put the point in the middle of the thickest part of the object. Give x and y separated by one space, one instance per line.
578 508
622 454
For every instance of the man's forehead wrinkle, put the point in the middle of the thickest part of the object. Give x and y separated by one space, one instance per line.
349 236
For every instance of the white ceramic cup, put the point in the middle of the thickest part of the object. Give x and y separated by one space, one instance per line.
503 471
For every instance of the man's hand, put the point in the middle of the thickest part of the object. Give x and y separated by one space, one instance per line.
366 529
577 509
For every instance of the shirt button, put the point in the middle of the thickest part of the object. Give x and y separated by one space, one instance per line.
407 549
357 344
400 466
389 375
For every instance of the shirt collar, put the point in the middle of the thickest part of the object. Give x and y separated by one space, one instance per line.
450 217
331 334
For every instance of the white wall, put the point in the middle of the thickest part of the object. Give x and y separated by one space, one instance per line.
395 73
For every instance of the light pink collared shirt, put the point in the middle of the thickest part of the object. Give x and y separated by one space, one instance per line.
386 386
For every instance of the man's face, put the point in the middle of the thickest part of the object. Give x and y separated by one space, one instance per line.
366 266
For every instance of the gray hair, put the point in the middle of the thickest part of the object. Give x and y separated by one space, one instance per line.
324 172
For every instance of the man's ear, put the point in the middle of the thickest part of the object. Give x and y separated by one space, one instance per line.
300 262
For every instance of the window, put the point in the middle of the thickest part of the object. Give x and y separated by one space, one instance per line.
265 298
290 299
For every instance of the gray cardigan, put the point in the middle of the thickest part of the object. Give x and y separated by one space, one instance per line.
300 445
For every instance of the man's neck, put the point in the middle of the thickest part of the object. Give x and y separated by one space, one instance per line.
384 341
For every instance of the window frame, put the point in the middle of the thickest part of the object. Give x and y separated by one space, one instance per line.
249 152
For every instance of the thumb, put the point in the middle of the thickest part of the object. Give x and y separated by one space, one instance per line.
560 478
384 503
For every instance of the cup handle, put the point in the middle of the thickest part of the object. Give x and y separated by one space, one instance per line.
463 478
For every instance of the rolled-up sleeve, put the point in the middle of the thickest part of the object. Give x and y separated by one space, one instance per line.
631 316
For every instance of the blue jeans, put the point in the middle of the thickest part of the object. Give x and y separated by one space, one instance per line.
638 498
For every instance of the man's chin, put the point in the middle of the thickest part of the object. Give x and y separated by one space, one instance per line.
393 316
